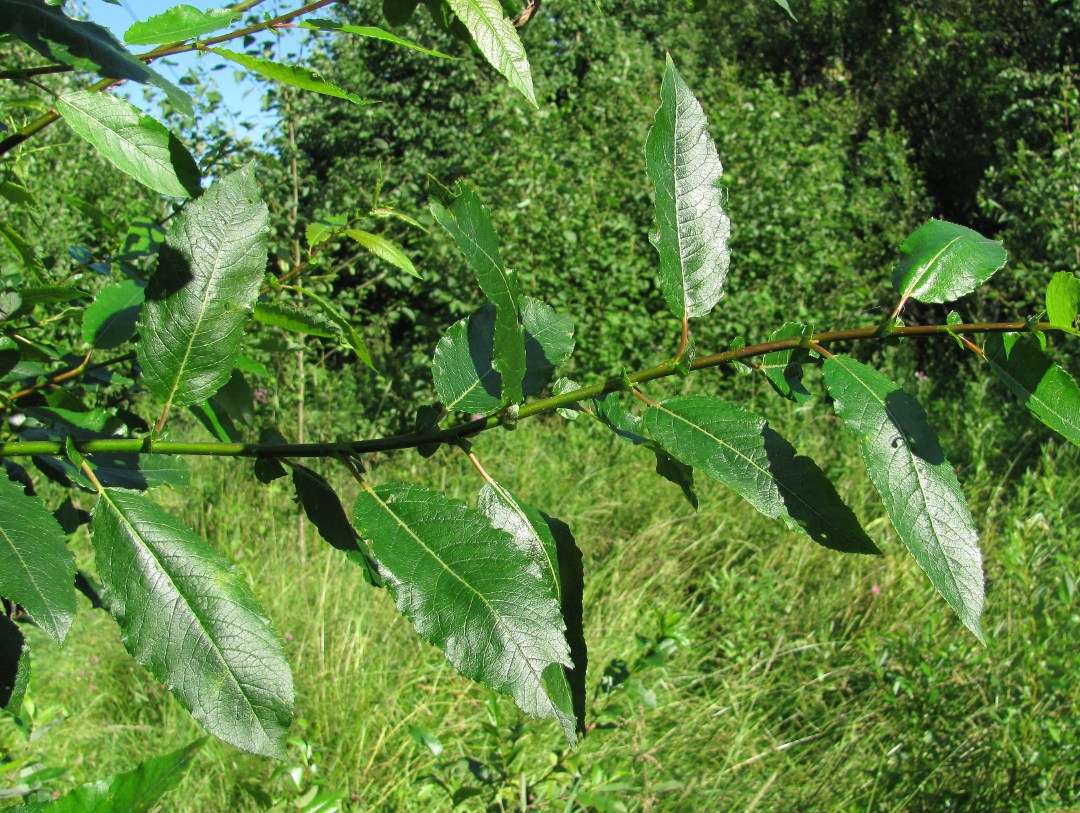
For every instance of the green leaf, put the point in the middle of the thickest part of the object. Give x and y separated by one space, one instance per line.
132 141
498 41
19 195
350 337
189 617
296 320
295 75
20 246
368 31
384 250
92 212
740 450
136 791
110 320
693 228
83 46
33 295
534 537
787 7
178 24
1063 301
14 665
462 366
468 588
36 568
1047 390
783 368
468 221
941 262
324 228
916 482
323 508
201 297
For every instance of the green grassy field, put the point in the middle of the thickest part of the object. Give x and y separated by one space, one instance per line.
732 665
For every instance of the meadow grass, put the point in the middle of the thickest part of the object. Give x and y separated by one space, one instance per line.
758 671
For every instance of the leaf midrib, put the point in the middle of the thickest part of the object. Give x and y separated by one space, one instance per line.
119 133
27 570
927 269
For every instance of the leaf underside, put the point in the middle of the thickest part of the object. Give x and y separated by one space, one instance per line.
468 588
498 41
693 231
916 482
189 617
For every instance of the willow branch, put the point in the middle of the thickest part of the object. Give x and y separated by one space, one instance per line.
412 440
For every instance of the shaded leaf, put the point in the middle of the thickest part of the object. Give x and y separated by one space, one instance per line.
136 791
467 219
468 588
295 75
189 617
497 39
783 368
384 250
1046 389
200 299
916 482
942 261
350 336
83 46
27 255
693 228
36 568
14 665
373 33
740 450
398 12
110 320
323 508
177 24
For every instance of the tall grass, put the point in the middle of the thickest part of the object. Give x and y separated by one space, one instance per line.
764 672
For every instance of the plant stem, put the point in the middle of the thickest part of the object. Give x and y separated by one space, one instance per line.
412 440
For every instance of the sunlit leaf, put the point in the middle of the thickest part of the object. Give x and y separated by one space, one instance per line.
295 75
535 536
189 617
497 39
368 31
179 23
942 261
693 226
1047 390
467 219
783 368
1063 301
296 320
740 450
383 249
36 568
468 588
83 46
351 338
916 482
201 297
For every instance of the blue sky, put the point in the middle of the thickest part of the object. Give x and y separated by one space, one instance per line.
242 97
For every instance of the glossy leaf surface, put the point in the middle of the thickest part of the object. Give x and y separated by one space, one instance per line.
942 261
534 537
384 250
916 482
83 46
693 226
467 219
110 319
739 449
371 32
189 617
296 320
295 75
498 41
468 588
36 568
200 299
1063 301
1047 390
177 24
